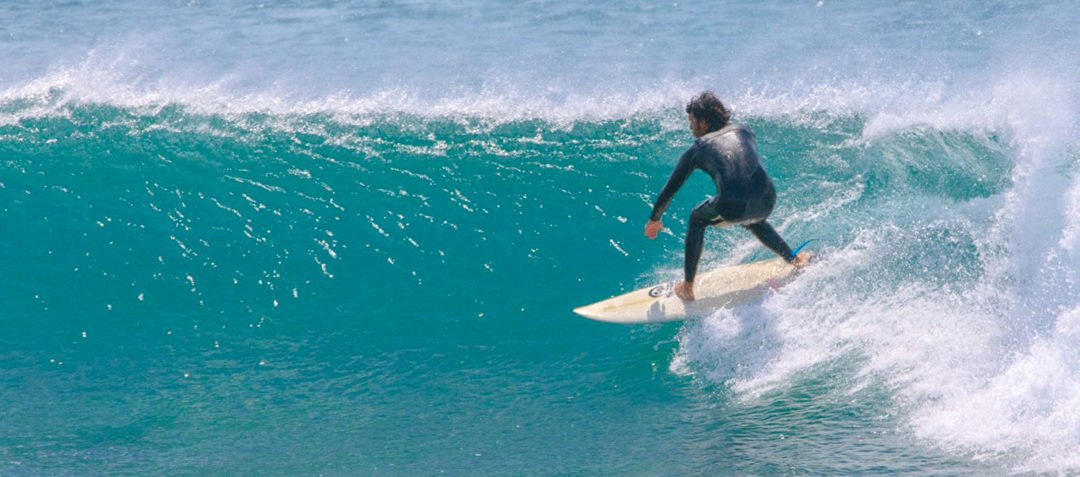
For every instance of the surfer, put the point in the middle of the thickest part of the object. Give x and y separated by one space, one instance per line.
744 193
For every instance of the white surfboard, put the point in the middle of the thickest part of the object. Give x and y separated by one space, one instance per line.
724 287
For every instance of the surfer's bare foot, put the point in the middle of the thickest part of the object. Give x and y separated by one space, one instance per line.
802 259
685 290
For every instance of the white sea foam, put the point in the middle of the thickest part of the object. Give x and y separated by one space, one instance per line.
118 84
986 367
1030 410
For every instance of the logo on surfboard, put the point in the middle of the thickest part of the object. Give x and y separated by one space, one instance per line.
664 290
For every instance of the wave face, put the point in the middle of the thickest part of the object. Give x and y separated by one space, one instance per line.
347 239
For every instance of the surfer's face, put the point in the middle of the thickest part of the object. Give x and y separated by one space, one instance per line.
698 127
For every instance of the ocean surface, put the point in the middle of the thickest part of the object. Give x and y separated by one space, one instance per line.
346 237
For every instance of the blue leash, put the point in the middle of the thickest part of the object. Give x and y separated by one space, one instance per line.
800 247
797 249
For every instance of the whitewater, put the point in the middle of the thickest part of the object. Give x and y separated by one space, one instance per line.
346 238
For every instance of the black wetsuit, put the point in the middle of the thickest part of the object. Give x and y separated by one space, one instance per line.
744 193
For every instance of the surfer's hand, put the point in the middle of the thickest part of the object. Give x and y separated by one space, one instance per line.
653 227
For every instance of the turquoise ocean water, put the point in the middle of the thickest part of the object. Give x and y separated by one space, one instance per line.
345 238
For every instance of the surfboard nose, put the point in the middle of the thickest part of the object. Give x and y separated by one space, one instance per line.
590 311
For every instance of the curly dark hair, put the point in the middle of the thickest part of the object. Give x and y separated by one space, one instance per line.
708 107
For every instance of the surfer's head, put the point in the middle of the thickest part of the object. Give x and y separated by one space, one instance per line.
707 110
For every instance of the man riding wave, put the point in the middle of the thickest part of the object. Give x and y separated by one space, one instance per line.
744 192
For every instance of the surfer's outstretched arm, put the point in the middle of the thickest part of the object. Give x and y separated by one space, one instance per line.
678 177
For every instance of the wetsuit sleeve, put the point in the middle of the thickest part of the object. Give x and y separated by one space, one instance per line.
678 177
